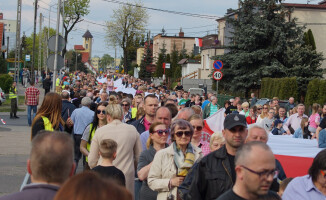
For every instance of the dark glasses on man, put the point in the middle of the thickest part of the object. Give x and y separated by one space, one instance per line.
160 132
125 105
186 133
101 111
198 128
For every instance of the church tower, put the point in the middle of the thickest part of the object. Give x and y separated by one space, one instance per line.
87 43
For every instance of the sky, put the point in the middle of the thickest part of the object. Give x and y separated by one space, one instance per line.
101 11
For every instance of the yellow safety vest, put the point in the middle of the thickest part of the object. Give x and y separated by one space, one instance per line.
57 83
12 95
47 124
133 113
91 135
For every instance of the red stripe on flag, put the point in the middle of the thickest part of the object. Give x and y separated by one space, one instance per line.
295 166
207 129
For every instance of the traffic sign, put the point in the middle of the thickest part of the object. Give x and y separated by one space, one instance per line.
218 65
27 57
167 65
61 43
217 75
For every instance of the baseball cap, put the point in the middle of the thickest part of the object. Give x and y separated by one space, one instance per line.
233 120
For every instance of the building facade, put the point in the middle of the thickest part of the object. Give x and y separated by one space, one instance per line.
9 30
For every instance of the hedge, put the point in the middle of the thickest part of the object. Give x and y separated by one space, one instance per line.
283 88
5 82
316 92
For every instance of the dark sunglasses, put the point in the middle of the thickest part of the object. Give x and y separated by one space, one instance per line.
186 133
259 108
101 111
160 132
125 105
198 128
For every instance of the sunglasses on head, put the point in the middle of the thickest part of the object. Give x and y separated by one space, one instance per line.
198 128
186 133
160 132
101 111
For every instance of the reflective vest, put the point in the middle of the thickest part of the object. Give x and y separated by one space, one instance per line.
57 83
47 124
12 94
133 112
91 135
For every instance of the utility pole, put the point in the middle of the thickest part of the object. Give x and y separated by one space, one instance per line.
44 48
17 51
7 47
56 46
115 56
40 37
63 29
34 37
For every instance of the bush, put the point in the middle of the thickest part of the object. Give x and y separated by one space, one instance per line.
283 88
316 92
5 82
173 85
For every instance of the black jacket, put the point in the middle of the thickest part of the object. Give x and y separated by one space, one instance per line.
139 125
212 177
67 109
47 83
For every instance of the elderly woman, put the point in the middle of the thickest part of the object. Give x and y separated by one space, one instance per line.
125 103
127 138
245 109
217 141
157 141
197 139
171 165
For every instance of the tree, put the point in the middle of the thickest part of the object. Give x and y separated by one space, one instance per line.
145 62
3 65
71 61
74 10
264 43
127 24
309 39
106 61
160 60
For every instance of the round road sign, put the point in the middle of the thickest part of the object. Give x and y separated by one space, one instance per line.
218 65
217 75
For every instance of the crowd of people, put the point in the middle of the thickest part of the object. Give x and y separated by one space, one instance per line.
151 144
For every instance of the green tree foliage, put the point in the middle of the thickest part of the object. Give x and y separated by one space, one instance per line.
71 61
282 88
126 25
3 65
264 43
161 59
316 92
146 61
74 11
5 82
106 61
311 39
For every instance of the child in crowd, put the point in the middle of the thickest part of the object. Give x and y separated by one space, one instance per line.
283 185
278 130
108 152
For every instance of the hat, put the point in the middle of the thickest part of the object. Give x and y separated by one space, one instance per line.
233 120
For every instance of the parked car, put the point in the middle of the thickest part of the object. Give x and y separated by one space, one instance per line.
2 97
263 101
199 91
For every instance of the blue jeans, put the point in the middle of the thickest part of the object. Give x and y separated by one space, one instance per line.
29 112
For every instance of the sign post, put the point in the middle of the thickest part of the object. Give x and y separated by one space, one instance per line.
217 75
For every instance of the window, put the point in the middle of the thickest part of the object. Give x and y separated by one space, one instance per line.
86 46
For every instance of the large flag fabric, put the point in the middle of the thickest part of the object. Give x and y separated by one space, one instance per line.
296 155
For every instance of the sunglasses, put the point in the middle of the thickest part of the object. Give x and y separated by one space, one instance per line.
259 108
160 132
198 128
101 111
186 133
125 105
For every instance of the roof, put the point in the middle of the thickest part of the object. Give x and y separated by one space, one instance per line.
187 60
165 36
87 34
312 6
79 47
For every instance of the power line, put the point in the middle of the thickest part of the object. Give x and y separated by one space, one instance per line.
167 11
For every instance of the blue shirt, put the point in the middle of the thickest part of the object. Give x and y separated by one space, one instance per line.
322 139
204 104
81 118
302 188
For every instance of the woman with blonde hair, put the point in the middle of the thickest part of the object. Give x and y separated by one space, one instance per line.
113 99
158 135
303 131
217 141
263 114
48 117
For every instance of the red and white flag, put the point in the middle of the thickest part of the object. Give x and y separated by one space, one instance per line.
215 122
199 42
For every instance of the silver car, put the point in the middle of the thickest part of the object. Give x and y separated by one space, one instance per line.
2 97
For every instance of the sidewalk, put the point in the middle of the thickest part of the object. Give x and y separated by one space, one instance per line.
21 92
